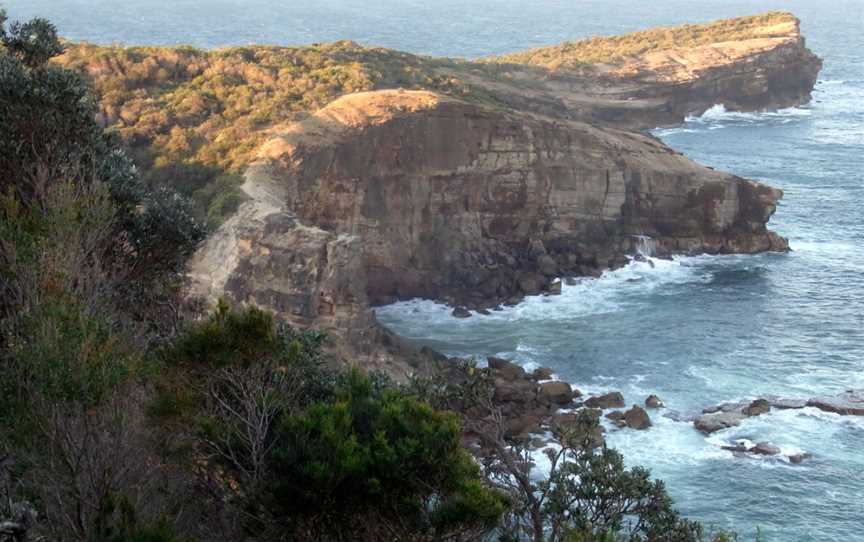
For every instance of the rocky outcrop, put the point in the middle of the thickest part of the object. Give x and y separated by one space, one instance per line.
394 194
725 415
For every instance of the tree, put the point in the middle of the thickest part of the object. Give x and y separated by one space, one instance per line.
376 464
50 136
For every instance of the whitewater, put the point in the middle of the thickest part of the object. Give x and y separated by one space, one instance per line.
694 330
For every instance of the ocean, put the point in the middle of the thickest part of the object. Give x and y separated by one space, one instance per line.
696 330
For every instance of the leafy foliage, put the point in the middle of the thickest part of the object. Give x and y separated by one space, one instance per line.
50 136
376 461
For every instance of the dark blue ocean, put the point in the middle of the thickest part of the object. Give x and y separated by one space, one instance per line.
695 331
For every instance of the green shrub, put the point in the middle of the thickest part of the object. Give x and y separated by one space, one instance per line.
375 460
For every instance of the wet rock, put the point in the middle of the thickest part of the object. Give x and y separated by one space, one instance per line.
711 423
530 283
725 407
797 459
484 312
757 408
542 373
848 403
554 288
461 312
637 418
570 281
617 417
506 369
558 393
764 448
653 402
612 399
784 404
739 447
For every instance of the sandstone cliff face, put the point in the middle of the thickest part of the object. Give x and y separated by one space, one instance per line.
394 194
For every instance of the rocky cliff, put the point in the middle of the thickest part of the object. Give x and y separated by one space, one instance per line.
393 193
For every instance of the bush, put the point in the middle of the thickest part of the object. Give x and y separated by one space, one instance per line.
376 462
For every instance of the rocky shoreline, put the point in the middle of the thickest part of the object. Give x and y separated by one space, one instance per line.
394 194
535 406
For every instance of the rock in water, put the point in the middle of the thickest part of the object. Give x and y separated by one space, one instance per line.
653 402
617 417
637 418
711 423
461 312
764 448
612 399
848 403
757 407
797 459
543 373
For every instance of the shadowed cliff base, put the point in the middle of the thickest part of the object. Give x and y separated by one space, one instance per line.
372 175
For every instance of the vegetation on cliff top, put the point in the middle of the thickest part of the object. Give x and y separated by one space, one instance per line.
193 119
122 421
606 50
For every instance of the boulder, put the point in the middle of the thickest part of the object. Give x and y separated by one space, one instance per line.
757 408
617 417
530 283
653 402
461 312
612 399
764 448
849 403
797 459
542 373
637 418
557 392
554 288
506 369
711 423
513 391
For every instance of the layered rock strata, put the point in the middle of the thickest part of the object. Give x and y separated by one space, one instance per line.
394 194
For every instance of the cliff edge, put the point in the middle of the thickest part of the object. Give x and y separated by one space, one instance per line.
475 183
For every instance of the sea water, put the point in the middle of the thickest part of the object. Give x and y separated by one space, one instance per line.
696 330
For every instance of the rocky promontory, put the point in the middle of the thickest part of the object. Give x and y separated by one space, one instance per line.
475 183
